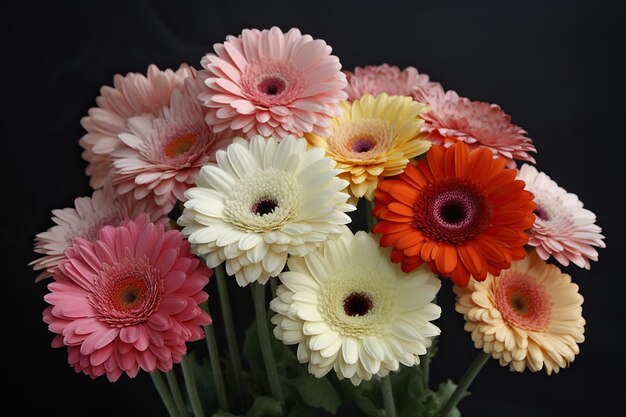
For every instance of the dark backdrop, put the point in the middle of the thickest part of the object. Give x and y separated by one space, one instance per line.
556 67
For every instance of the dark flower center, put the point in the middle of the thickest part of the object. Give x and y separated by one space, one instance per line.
179 145
363 145
541 213
272 86
357 304
452 211
518 303
264 206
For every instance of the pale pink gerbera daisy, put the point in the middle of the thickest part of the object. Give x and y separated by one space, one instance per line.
83 220
161 156
272 83
131 95
127 301
377 79
452 118
562 228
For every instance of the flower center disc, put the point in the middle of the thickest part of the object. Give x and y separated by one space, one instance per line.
264 206
128 293
180 144
272 86
452 211
271 83
541 213
357 304
522 302
363 145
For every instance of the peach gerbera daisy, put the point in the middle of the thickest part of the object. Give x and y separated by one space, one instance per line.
377 79
563 228
374 137
272 84
527 317
461 212
131 95
452 118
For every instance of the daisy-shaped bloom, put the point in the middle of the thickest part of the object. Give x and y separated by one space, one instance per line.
131 95
563 228
127 301
452 118
84 220
461 212
529 316
162 153
374 137
349 309
377 79
262 201
272 83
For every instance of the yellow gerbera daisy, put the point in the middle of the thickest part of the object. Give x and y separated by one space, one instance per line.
374 137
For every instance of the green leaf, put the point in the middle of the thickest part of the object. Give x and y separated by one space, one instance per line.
363 396
408 391
205 383
317 392
302 410
265 407
445 391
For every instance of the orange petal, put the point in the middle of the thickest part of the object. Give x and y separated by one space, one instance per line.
472 260
446 258
480 165
401 209
449 160
461 160
427 250
409 240
435 158
460 276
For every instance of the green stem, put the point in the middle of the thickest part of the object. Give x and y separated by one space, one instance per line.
231 336
192 389
371 221
273 286
465 382
214 357
390 406
258 295
425 365
178 397
164 393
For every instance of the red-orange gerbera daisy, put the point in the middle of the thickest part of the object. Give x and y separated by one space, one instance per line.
462 212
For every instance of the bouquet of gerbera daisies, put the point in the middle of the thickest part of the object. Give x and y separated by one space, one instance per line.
248 169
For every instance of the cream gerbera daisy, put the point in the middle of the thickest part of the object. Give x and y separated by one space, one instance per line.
528 317
350 309
374 137
262 201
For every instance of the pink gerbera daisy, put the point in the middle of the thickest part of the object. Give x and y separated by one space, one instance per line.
377 79
127 301
272 83
163 152
131 95
83 220
452 118
563 228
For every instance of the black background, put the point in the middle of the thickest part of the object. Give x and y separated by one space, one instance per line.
556 67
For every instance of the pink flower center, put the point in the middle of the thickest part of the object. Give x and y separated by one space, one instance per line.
264 206
126 293
357 304
541 213
452 211
522 302
271 83
180 144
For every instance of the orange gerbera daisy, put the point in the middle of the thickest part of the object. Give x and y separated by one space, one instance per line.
462 212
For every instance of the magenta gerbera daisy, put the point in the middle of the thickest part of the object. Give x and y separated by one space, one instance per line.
160 156
563 229
272 83
378 79
128 301
131 95
83 220
452 118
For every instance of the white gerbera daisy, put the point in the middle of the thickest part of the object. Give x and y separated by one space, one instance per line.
349 308
264 200
563 228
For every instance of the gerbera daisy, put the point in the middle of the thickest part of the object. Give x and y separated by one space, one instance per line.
452 118
529 316
377 79
131 95
349 309
460 211
563 228
272 83
83 220
163 152
262 201
127 301
374 137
